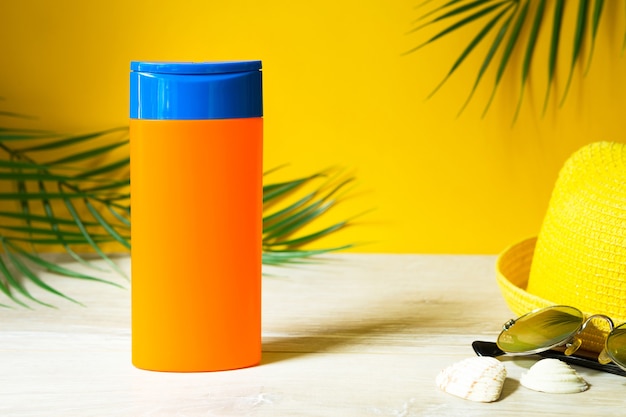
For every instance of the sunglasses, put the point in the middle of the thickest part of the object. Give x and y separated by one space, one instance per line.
543 330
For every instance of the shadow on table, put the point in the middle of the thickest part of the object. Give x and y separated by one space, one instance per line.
351 335
510 386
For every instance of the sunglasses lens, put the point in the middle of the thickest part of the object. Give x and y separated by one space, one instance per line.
616 345
541 330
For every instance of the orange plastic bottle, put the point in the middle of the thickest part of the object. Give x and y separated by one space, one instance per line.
196 134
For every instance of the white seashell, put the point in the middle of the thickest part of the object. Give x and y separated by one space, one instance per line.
477 379
553 376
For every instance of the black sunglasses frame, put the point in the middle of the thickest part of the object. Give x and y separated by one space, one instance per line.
483 348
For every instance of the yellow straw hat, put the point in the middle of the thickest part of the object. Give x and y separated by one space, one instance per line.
579 257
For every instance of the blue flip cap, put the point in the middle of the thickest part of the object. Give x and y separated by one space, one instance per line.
195 90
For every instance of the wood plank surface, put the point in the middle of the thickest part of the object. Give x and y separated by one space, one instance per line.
352 335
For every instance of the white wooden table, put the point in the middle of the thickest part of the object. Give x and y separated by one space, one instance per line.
357 335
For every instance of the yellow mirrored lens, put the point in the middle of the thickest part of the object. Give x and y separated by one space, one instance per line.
616 345
541 330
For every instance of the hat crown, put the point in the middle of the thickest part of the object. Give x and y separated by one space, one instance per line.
580 253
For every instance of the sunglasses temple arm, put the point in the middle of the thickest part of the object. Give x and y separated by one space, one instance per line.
491 349
487 349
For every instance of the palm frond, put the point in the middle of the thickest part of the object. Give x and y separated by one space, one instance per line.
520 22
78 201
581 28
557 22
514 35
282 224
529 53
57 204
492 50
475 42
595 24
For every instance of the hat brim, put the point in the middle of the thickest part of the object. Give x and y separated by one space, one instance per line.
512 274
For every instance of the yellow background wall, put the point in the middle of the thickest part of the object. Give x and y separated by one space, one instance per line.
338 91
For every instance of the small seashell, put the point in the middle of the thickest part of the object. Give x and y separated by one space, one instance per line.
553 376
476 379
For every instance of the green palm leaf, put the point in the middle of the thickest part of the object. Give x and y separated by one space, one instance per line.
492 51
59 269
496 20
89 238
51 218
595 24
557 22
55 222
581 25
69 141
457 25
12 284
514 35
475 42
73 200
280 226
30 274
529 53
